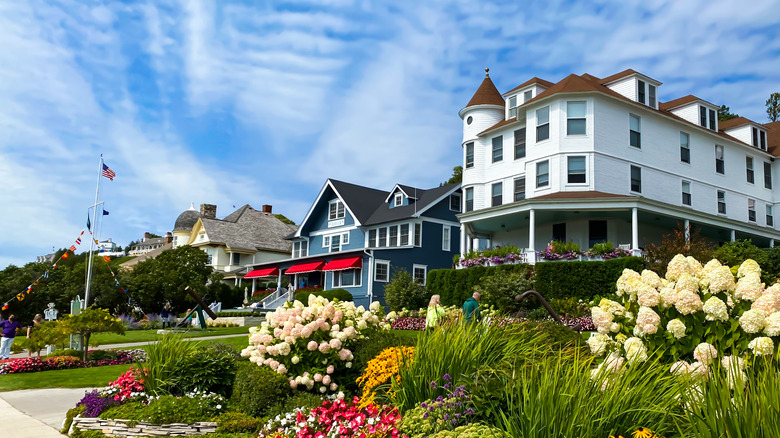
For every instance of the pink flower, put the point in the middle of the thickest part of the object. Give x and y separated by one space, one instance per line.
312 345
326 379
324 348
345 354
318 377
330 369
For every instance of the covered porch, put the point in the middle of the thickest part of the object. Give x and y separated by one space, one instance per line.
628 222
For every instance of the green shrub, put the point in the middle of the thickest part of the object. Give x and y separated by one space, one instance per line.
560 247
78 433
65 352
331 294
299 399
168 409
538 313
456 285
554 335
101 355
256 389
404 292
500 290
473 430
569 306
602 248
237 422
164 361
736 252
582 280
772 268
234 314
210 368
72 413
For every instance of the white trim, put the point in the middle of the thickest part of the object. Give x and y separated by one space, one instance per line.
358 276
430 205
460 201
382 262
439 221
332 230
446 230
424 268
328 183
392 192
398 200
337 201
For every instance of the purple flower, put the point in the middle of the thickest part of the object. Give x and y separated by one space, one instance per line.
433 385
447 377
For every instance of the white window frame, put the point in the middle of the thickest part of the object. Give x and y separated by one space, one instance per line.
547 183
378 262
750 173
342 214
500 186
584 170
408 234
514 188
641 91
584 117
343 240
539 125
469 191
326 241
469 154
358 279
751 209
446 234
685 146
415 233
638 130
390 242
770 217
497 141
452 199
631 178
398 200
690 197
722 158
719 203
425 272
509 101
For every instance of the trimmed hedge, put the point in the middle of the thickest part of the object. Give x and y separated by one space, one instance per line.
341 294
257 389
456 285
582 280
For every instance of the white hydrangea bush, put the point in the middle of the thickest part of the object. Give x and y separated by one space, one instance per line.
701 314
312 344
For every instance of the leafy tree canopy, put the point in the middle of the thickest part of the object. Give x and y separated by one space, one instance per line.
457 176
284 219
773 106
91 320
724 113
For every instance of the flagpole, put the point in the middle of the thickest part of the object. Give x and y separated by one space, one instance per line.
92 234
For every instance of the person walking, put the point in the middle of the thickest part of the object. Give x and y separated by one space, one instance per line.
435 313
471 309
9 327
37 321
165 314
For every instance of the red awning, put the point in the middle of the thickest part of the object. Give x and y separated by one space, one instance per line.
347 263
305 267
267 272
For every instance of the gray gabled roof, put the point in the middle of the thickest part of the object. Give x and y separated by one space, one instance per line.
249 229
424 199
362 201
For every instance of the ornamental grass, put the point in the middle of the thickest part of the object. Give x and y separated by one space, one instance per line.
380 370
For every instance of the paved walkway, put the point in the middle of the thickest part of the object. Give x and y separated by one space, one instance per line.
141 344
36 413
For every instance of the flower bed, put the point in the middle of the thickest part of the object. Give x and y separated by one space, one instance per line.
409 323
34 364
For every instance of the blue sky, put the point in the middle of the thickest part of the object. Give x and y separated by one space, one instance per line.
233 103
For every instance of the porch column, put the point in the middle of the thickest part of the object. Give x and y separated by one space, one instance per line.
469 243
254 284
771 243
240 279
531 230
634 228
687 231
733 235
462 240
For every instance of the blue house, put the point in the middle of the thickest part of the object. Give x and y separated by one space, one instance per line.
355 237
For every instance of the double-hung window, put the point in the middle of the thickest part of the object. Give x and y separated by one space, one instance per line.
393 235
347 278
575 118
300 249
372 238
470 199
542 124
398 200
640 92
496 194
418 234
721 202
576 169
513 107
686 193
404 234
705 116
382 237
445 237
498 148
749 170
634 133
519 188
770 220
469 155
455 202
720 165
542 174
651 95
336 210
685 148
767 175
335 243
528 95
636 179
755 137
752 210
520 143
762 144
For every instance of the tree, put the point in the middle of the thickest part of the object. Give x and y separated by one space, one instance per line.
403 292
659 255
90 321
773 106
457 176
163 278
500 289
724 113
284 219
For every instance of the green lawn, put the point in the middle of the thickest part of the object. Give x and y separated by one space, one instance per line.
151 335
76 378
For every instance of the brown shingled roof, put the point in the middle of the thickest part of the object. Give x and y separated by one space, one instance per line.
533 80
500 125
616 76
670 105
487 94
581 195
773 137
733 123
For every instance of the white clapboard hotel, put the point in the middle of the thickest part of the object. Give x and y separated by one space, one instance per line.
592 159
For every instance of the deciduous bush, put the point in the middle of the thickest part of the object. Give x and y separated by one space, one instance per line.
302 295
210 368
168 409
237 422
258 388
456 285
500 290
403 292
659 255
582 280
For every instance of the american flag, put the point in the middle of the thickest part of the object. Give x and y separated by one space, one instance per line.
108 173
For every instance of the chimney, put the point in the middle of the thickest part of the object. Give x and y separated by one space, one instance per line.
208 211
267 209
168 237
147 236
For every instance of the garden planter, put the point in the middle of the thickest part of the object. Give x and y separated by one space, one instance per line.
127 428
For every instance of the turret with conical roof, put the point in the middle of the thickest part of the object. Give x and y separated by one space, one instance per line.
485 109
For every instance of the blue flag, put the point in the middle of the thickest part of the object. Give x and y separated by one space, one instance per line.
89 223
105 213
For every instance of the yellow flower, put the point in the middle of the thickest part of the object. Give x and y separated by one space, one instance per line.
643 432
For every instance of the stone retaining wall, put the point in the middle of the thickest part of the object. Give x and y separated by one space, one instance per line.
123 428
241 321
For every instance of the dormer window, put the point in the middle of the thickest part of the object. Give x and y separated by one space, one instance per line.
646 93
399 200
707 118
528 95
651 93
640 96
336 210
513 107
759 138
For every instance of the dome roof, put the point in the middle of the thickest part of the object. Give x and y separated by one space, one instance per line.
186 220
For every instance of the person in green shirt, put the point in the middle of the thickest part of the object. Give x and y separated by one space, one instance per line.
435 313
471 309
